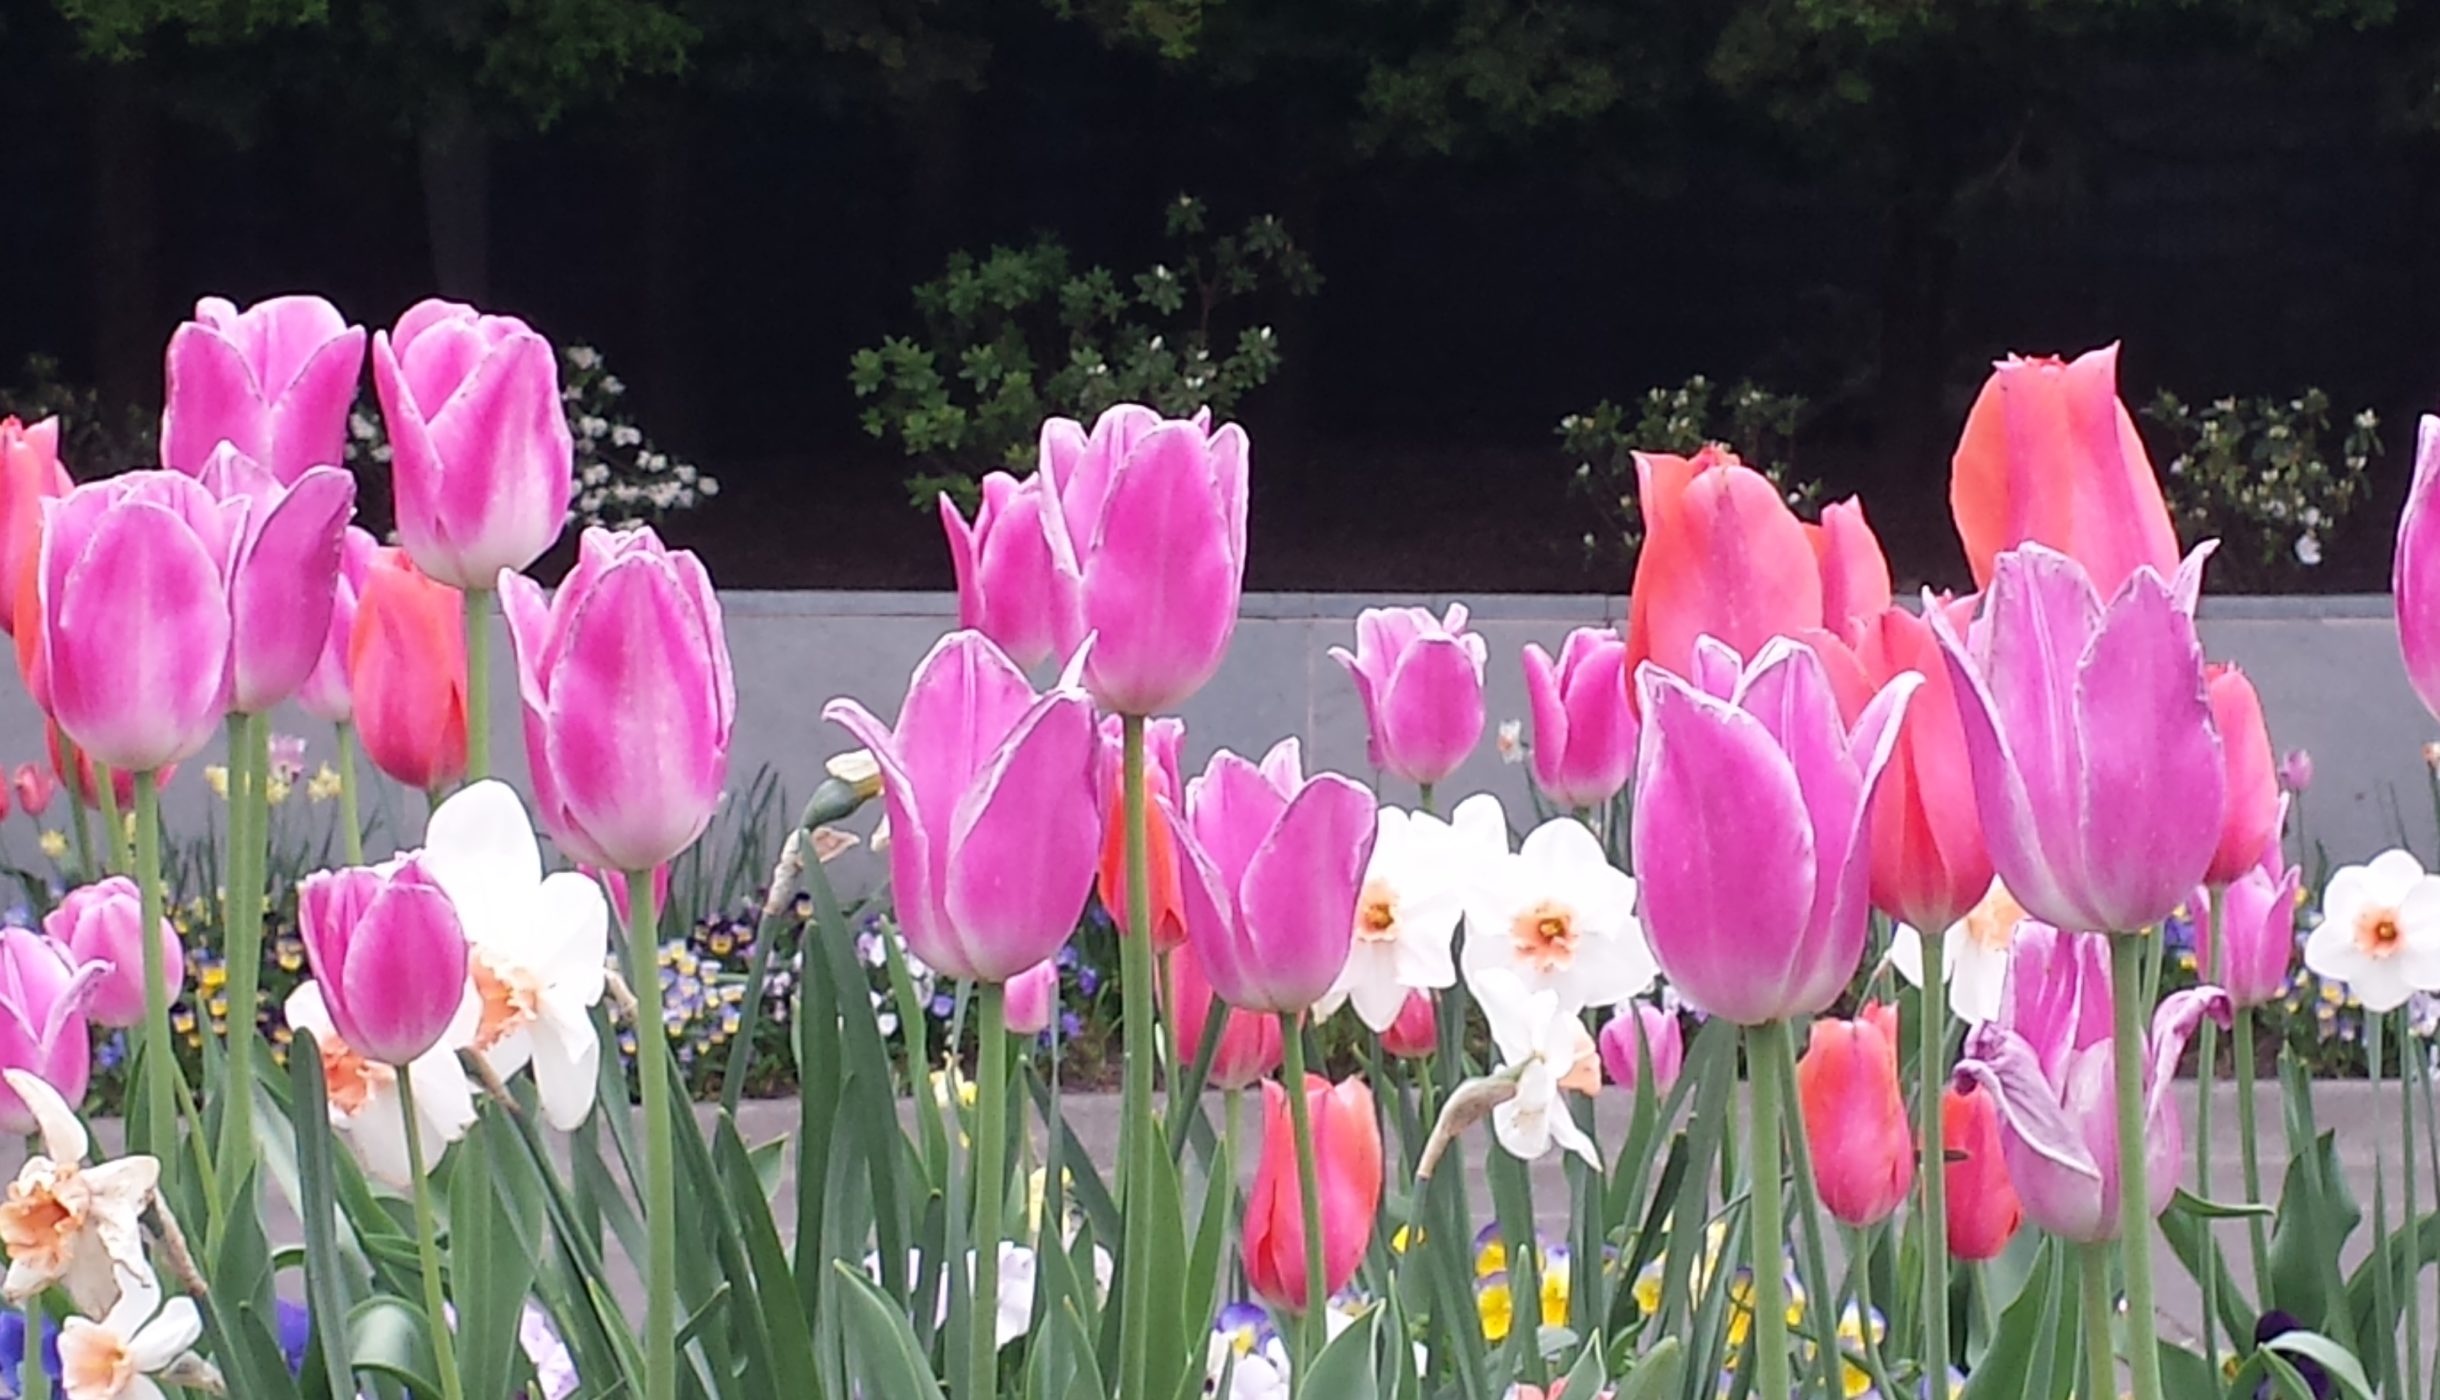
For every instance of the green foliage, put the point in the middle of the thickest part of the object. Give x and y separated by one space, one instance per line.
1017 335
1755 423
2268 477
95 438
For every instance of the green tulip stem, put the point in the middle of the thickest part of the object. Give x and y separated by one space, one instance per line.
1764 1053
160 1052
428 1249
1309 1329
2412 1262
1931 1072
1140 1037
990 1185
2100 1368
249 831
114 827
2249 1156
351 824
2135 1224
660 1165
2206 1085
33 1377
478 684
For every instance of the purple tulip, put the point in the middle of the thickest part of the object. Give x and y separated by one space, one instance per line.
1752 852
2296 770
2096 762
478 438
1584 726
995 818
284 578
1421 680
2257 915
43 990
326 694
386 945
1270 867
1012 586
629 702
135 585
103 923
1153 513
276 379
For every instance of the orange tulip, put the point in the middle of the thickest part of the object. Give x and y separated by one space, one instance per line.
407 665
1983 1209
1347 1159
1249 1041
30 473
1163 738
2050 454
1855 1118
2250 809
1929 863
1722 555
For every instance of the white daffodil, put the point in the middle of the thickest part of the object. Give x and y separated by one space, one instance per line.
64 1222
139 1338
1555 914
1414 893
2379 931
1973 955
1015 1316
1544 1049
536 946
363 1094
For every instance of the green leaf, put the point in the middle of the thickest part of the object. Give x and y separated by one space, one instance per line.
881 1346
495 1246
790 1335
1588 1375
387 1335
327 1278
2329 1355
2032 1326
1350 1365
2186 1232
2184 1373
2188 1204
1661 1372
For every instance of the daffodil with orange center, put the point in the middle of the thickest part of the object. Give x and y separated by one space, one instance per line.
1406 914
2379 931
139 1338
1544 1050
1555 913
363 1097
1973 955
67 1223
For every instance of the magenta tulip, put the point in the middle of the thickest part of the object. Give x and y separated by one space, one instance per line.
1270 864
1636 1025
629 703
103 923
284 576
2415 571
386 945
1012 586
2097 767
134 599
995 816
277 379
326 694
43 991
1421 681
478 438
2257 917
1752 852
1033 999
1584 725
1153 513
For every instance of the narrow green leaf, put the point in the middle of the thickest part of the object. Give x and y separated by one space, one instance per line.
327 1278
881 1346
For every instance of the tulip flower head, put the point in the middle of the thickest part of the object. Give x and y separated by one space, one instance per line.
2415 572
1012 585
406 669
1723 557
1347 1158
35 787
1164 738
1983 1211
1033 999
326 693
1544 1049
2296 770
1639 1026
388 947
2250 944
1416 1032
1249 1045
43 991
2251 807
2379 931
1555 912
1421 681
1584 725
30 473
1406 915
66 1223
275 380
284 572
1973 956
1855 1117
1929 863
103 923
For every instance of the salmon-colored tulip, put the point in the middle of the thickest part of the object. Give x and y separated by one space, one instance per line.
35 787
30 473
81 783
1855 1117
1723 556
1249 1041
407 668
1163 738
1929 863
1983 1211
2051 456
2251 807
1347 1159
1855 571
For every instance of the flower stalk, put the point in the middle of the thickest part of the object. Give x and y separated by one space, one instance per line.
160 1054
478 684
2127 959
1309 1328
1765 1056
660 1164
1140 1037
428 1249
990 1185
1931 1077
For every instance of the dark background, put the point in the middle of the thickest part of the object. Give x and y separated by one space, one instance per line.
1518 209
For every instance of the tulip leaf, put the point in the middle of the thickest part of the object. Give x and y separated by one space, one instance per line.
387 1335
783 1315
1350 1365
881 1345
1588 1375
2186 1203
2033 1331
2182 1372
326 1278
1659 1373
493 1252
2186 1233
2329 1355
2423 1240
2316 1214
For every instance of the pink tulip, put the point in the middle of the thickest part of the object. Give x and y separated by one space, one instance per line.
326 694
1271 863
1855 1116
387 947
103 923
1929 864
134 587
1347 1158
994 816
284 573
2257 913
629 703
1751 847
1584 725
2296 770
2415 571
1012 586
2050 456
35 788
2097 768
84 787
614 889
276 379
1416 1032
2251 806
479 441
1249 1046
30 473
43 991
1983 1209
2048 1064
1033 999
1637 1024
1421 681
1153 513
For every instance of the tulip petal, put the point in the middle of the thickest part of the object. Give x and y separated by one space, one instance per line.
2172 1025
1161 582
211 396
2000 1062
1022 842
1432 710
140 641
1298 894
284 585
404 974
2153 784
965 698
507 416
1232 807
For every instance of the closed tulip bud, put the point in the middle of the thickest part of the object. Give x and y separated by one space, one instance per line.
2251 807
1012 585
103 923
326 694
1855 571
1855 1117
35 788
1723 557
283 575
1983 1211
390 955
1750 841
43 991
30 473
480 449
1636 1025
2415 571
1163 739
2256 918
1347 1161
1033 999
1584 724
1249 1045
1416 1032
2050 456
1421 681
1153 513
276 379
2296 770
629 702
992 808
1929 863
406 666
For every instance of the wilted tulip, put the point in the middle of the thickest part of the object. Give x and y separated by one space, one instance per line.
283 578
390 955
1347 1161
2415 572
1033 999
1983 1211
326 694
103 923
1249 1045
2257 915
276 379
1584 723
1421 681
1638 1024
1012 585
1929 864
43 991
2251 807
30 473
406 666
1855 1117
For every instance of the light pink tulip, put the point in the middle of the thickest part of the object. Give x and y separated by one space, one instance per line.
1033 998
1636 1024
386 945
1153 513
43 990
995 818
2097 767
326 694
1416 1032
2257 913
1751 848
277 379
1271 863
103 923
2415 570
134 581
478 438
1012 586
1421 681
1584 725
284 576
629 702
2048 1063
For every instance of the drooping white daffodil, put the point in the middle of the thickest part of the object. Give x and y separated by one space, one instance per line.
2379 931
64 1222
1544 1050
138 1339
1554 913
536 946
363 1094
1973 955
1406 917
